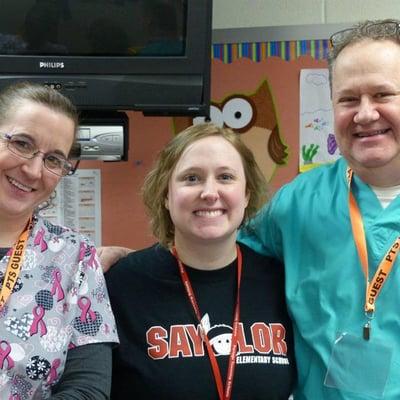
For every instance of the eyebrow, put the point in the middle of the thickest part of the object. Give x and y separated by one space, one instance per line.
195 169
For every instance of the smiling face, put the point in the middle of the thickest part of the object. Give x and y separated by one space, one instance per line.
25 183
207 192
366 103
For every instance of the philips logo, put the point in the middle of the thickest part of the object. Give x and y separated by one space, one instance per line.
58 65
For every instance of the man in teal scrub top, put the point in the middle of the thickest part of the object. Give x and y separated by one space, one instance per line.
337 228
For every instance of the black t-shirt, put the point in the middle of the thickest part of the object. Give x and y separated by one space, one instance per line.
161 355
3 251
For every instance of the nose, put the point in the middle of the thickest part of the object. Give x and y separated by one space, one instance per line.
366 111
210 190
33 167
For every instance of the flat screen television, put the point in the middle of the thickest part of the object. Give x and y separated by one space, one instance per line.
146 55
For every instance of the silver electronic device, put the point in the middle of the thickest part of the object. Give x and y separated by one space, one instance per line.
103 137
101 142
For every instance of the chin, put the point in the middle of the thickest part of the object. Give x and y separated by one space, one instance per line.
373 163
376 160
215 237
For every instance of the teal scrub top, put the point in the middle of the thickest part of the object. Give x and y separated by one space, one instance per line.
307 225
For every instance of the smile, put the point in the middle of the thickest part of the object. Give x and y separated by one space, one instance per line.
372 133
209 213
19 185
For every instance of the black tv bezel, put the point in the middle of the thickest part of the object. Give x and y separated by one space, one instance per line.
195 64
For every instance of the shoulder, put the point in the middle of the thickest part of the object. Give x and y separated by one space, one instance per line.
140 262
51 239
309 189
150 255
313 179
257 260
49 230
140 274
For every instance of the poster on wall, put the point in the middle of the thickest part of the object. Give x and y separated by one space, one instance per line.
317 140
77 204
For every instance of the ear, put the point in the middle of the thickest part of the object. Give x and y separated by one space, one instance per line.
166 203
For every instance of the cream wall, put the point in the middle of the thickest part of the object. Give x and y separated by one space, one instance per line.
263 13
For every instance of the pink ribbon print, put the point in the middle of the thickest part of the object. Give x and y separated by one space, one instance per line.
57 288
84 304
82 251
92 260
53 371
38 314
93 263
39 240
5 350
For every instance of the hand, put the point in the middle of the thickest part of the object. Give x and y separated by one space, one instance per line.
109 255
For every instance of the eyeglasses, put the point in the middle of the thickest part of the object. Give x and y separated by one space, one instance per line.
23 147
378 29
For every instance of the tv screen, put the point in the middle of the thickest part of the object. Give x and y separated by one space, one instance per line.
148 55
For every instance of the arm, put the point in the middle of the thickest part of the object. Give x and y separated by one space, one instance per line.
87 374
109 255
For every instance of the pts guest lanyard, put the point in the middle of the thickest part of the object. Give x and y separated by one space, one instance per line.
373 287
14 264
223 395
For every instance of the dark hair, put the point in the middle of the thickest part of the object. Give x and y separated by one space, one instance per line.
155 188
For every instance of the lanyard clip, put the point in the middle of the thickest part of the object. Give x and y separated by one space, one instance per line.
367 330
367 327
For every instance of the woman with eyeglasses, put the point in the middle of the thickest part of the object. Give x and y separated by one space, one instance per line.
56 327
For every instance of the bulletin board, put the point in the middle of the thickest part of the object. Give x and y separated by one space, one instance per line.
265 72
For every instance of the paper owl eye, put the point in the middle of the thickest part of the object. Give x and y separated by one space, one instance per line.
238 113
215 117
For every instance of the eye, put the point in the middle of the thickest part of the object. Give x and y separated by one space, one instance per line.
191 178
238 113
22 145
55 162
226 177
382 95
347 99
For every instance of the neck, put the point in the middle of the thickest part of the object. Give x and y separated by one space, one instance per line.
10 231
380 177
206 256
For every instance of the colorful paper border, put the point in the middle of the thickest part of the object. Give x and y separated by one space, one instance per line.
259 51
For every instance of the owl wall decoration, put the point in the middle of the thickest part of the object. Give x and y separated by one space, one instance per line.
253 116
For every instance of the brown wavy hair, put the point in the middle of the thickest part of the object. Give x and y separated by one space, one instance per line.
155 188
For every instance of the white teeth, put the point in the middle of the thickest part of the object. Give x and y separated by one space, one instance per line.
19 185
209 213
381 131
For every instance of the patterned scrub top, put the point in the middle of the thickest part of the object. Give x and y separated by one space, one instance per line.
59 301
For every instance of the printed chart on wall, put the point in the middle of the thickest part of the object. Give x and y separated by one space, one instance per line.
317 140
77 204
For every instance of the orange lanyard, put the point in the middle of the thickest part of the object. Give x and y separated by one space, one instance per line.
223 395
373 287
14 264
